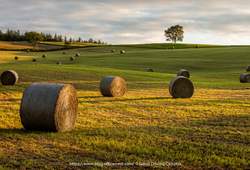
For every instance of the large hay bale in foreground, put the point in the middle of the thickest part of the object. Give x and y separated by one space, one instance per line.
122 51
149 70
245 78
181 87
112 86
49 107
9 77
183 72
72 58
248 68
77 54
44 56
16 58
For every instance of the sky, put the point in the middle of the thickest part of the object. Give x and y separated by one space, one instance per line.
222 22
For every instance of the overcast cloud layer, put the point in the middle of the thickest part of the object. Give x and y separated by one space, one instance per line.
132 21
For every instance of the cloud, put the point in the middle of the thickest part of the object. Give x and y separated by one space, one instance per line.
130 21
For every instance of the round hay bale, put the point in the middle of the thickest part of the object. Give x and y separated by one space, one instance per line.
59 63
77 54
28 51
181 87
34 60
9 77
112 51
122 51
183 72
112 86
16 58
72 58
196 46
49 107
245 78
44 56
149 70
166 48
64 52
248 68
172 47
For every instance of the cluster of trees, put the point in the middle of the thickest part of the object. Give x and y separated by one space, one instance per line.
13 35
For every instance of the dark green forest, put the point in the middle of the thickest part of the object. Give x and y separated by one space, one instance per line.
13 35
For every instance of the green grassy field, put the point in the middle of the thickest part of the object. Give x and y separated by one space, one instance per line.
142 129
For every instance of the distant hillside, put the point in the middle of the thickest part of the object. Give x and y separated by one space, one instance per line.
169 45
41 46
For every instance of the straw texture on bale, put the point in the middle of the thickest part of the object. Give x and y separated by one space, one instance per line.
44 56
112 86
49 107
59 63
122 51
149 70
9 77
248 68
16 58
183 72
77 54
72 58
64 52
112 51
34 60
181 87
245 78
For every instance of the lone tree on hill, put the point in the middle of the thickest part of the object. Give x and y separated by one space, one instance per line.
174 33
33 38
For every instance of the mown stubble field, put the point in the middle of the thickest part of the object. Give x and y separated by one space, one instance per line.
146 127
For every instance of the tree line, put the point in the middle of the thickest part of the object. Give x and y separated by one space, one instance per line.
13 35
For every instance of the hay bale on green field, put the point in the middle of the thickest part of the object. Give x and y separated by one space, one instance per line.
245 78
122 51
181 87
113 86
248 68
196 46
77 54
59 63
9 77
112 51
183 72
72 58
28 51
34 60
149 70
172 47
64 52
49 107
16 58
44 56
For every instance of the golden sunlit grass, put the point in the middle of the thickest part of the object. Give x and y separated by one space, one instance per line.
12 46
209 130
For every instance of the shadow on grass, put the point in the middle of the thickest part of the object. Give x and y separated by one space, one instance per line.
115 99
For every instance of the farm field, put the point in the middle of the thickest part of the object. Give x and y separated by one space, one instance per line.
146 127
